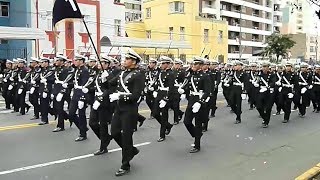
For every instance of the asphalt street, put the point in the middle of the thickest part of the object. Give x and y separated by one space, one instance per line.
229 151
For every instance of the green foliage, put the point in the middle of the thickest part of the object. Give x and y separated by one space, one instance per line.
278 45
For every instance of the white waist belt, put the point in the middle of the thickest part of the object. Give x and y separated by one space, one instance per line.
164 88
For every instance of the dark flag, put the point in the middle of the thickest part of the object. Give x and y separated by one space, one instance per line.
64 9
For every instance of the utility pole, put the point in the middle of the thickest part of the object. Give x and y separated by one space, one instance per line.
316 45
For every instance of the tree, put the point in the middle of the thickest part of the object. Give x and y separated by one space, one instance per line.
278 45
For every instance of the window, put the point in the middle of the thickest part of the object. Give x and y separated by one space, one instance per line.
117 27
170 33
243 9
182 33
176 7
3 41
49 24
206 35
82 27
4 9
148 13
220 36
243 36
183 57
148 34
312 49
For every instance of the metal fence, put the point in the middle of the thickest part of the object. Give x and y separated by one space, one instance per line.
13 53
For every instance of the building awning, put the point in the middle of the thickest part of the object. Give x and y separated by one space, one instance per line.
143 43
21 33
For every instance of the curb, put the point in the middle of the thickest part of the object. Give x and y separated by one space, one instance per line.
308 175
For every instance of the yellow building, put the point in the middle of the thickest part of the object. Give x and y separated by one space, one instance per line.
178 24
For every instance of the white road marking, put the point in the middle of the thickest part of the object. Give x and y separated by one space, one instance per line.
61 161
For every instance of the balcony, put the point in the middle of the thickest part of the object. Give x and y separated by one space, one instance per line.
278 13
245 17
209 10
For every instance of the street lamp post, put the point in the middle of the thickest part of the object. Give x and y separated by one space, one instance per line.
240 46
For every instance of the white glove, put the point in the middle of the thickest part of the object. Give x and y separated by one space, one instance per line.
150 88
5 80
196 107
65 85
114 97
145 90
255 84
85 90
208 99
24 81
303 90
243 96
310 87
290 95
20 91
52 96
104 74
180 90
32 90
1 75
43 80
98 93
10 87
162 104
271 90
56 81
96 105
33 82
280 89
278 83
226 84
44 95
155 94
59 97
11 79
262 90
183 96
80 104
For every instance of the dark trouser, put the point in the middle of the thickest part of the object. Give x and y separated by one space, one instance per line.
150 101
44 107
7 96
213 102
34 100
317 98
194 130
175 106
22 102
226 94
79 119
98 122
252 94
62 115
302 101
123 121
205 115
285 104
265 102
162 115
277 99
236 101
15 99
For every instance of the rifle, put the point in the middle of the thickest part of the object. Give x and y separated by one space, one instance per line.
203 50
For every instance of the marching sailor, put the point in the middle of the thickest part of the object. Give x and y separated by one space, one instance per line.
23 78
302 90
198 87
316 88
151 76
130 85
34 86
266 83
179 76
288 81
45 89
163 96
6 83
237 87
62 76
79 98
101 113
216 74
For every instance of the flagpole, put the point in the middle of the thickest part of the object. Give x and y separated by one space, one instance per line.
94 47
